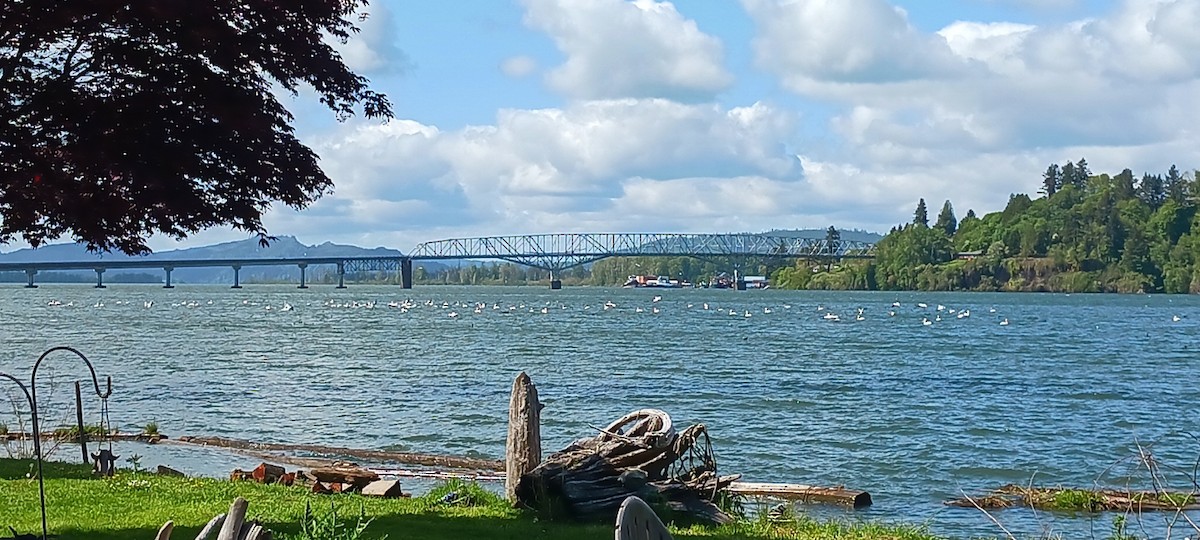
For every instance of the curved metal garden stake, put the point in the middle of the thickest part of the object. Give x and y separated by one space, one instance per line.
31 397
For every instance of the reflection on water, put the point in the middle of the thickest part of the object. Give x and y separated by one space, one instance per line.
916 413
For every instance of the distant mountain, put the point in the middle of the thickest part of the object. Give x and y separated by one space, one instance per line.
281 247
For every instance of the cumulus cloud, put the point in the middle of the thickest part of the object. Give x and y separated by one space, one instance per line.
972 112
605 165
619 49
844 41
373 50
977 109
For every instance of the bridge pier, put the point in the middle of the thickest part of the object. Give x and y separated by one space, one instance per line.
341 269
100 278
236 271
29 279
168 270
406 274
555 283
303 268
739 282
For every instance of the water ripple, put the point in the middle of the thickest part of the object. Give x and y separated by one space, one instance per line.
913 413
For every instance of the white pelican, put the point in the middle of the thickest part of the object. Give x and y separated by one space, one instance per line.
925 321
1004 322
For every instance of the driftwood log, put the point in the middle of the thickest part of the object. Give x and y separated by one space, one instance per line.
277 452
804 493
231 526
639 454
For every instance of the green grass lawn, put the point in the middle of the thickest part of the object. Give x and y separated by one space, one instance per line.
131 506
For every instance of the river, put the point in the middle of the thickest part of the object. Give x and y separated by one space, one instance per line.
914 413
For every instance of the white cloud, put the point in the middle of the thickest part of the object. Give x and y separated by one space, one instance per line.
606 165
618 49
518 66
844 41
982 108
971 113
374 49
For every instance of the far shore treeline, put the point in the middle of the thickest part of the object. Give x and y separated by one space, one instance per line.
1083 233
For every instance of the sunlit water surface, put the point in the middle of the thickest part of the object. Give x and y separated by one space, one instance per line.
914 413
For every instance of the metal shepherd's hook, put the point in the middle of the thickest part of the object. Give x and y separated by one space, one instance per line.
31 397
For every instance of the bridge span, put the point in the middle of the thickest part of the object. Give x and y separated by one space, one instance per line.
551 252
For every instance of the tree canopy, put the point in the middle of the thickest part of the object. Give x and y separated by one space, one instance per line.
1096 233
121 120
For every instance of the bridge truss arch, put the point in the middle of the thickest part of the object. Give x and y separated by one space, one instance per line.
558 252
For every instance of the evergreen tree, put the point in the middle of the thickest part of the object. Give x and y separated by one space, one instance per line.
1124 185
1067 174
1151 191
946 220
1081 174
921 216
1052 180
832 239
1176 186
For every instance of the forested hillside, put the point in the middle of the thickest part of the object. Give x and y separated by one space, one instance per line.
1084 233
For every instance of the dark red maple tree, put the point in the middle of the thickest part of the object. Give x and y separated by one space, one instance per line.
121 119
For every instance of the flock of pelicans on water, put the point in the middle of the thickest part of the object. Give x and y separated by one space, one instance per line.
929 314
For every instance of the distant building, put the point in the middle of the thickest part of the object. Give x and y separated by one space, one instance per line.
756 282
968 255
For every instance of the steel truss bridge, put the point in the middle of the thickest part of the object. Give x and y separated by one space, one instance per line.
557 252
551 252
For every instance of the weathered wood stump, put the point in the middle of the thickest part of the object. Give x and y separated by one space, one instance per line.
523 450
638 454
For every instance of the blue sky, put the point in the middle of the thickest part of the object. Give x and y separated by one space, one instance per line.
531 116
